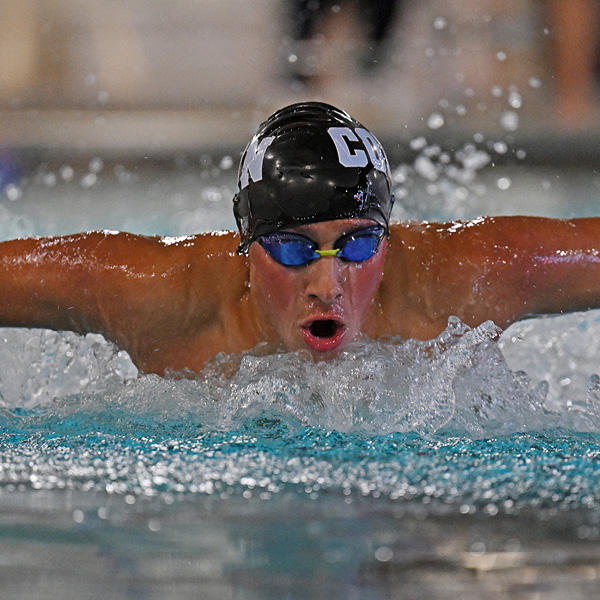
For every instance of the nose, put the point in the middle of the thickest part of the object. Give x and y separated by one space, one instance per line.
325 279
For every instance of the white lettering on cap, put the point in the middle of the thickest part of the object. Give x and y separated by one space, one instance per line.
357 157
347 158
374 149
253 161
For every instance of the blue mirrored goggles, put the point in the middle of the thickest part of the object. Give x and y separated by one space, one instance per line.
294 250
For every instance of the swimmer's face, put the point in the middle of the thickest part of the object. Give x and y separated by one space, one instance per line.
321 306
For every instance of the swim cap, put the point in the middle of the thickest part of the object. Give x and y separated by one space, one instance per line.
307 163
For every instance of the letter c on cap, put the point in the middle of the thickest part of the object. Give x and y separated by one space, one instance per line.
347 158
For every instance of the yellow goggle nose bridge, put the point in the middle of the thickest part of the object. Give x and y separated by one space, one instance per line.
327 252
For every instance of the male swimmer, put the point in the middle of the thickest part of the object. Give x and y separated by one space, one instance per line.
316 264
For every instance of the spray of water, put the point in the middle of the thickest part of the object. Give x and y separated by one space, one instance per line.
458 383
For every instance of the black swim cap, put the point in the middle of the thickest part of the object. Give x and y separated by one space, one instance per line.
307 163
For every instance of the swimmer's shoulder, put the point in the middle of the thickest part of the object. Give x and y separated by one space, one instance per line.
426 247
213 254
409 232
211 245
412 234
156 252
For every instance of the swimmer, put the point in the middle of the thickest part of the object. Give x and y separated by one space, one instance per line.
316 263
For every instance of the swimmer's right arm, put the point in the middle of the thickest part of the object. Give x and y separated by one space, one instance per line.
45 283
140 292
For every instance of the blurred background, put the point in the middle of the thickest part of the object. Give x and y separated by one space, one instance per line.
99 90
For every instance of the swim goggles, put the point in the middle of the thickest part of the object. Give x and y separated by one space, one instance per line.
294 250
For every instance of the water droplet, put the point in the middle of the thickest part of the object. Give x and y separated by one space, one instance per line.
504 183
440 23
432 189
96 165
535 82
13 192
425 168
435 121
212 195
433 151
514 99
500 147
400 174
384 554
473 159
89 180
78 516
501 56
490 509
226 163
66 173
509 120
49 179
418 143
153 524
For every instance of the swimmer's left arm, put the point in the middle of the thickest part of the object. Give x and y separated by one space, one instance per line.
559 264
535 266
500 268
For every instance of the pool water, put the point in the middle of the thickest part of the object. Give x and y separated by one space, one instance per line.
463 467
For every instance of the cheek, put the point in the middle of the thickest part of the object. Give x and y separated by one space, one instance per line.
364 282
274 289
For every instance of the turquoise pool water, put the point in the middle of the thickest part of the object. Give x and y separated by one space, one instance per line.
462 469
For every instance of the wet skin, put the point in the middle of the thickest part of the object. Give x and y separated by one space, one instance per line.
173 304
319 307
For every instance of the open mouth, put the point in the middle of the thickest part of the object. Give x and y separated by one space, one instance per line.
324 328
324 335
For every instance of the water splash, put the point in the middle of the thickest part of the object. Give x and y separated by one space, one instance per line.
452 188
444 421
458 383
38 366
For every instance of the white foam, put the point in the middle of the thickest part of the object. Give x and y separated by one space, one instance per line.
459 382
